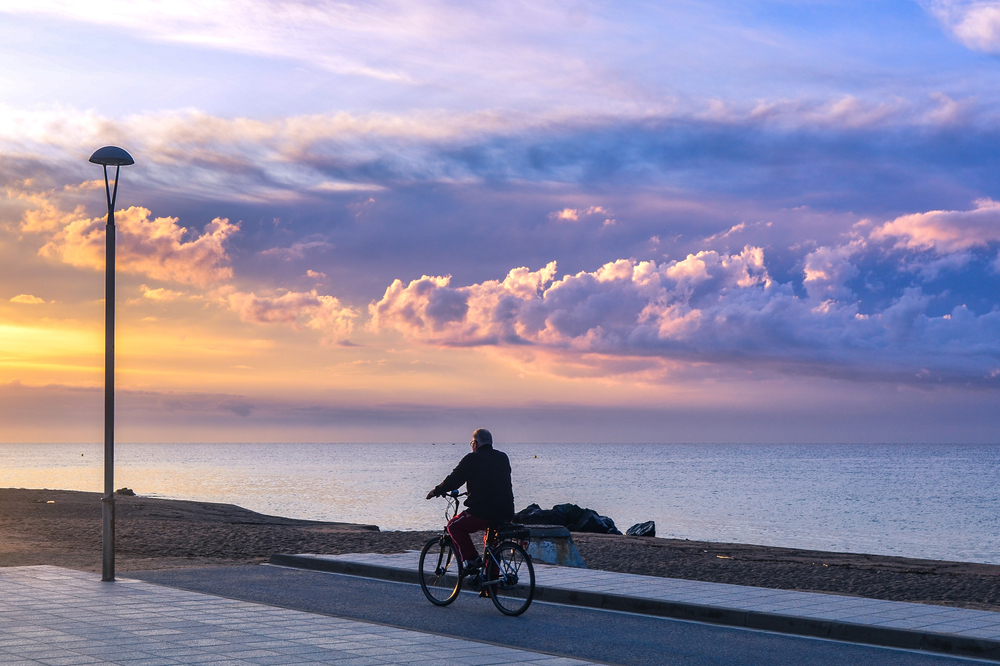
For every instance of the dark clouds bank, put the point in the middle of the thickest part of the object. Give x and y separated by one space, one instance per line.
879 415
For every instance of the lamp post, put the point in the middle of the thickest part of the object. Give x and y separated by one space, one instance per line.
116 157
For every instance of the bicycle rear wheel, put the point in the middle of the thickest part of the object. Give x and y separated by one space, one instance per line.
439 577
513 594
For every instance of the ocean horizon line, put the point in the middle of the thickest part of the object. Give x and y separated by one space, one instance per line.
500 443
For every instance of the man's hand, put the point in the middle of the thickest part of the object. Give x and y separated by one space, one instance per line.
432 494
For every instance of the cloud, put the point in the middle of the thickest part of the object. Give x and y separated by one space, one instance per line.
247 27
161 249
793 149
348 187
152 247
238 407
735 229
61 413
431 310
46 216
709 308
975 23
310 309
161 294
470 47
827 269
574 214
529 56
298 249
619 305
945 231
27 299
156 247
566 214
931 270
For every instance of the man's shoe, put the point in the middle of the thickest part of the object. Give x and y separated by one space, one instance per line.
472 566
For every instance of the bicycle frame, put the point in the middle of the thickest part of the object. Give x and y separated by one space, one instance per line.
496 563
491 543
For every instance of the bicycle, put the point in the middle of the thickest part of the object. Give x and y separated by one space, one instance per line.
507 574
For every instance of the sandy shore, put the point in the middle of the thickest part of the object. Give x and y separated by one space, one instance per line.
63 528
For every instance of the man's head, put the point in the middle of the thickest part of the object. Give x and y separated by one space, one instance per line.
481 437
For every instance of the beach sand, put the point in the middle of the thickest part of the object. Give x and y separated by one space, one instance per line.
63 528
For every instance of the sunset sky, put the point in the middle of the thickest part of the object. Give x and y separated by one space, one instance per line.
562 220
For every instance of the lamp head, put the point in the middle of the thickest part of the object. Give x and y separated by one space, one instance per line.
111 156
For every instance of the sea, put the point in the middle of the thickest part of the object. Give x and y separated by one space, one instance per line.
914 500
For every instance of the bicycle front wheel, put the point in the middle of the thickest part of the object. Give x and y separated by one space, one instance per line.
513 594
439 577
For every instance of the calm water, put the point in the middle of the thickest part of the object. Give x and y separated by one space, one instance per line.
934 501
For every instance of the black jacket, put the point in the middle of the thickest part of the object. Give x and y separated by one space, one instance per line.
486 475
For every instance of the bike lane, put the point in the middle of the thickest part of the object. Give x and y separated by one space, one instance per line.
550 629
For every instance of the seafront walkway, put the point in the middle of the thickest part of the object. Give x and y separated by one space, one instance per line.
55 616
924 627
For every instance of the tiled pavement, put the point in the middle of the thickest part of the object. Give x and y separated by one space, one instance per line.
891 623
60 617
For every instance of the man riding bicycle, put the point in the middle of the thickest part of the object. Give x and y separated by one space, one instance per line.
486 475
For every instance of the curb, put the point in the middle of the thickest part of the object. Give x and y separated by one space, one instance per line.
847 632
316 563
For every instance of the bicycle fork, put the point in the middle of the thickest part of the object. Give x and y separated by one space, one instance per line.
445 558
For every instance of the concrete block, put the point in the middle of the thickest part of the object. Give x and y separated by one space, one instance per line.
553 544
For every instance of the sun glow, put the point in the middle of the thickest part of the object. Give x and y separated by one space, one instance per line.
33 352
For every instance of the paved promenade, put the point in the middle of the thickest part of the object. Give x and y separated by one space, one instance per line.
939 629
62 617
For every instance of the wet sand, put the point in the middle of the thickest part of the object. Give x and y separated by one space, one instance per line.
63 528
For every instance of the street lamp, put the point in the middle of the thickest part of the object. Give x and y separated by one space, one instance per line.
116 157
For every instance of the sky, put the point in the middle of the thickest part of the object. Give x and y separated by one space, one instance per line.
565 221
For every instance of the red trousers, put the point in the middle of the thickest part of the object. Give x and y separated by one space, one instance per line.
459 528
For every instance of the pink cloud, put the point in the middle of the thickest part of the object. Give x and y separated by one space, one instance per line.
975 24
945 231
296 309
27 299
574 214
588 311
431 310
161 294
708 308
566 215
152 247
